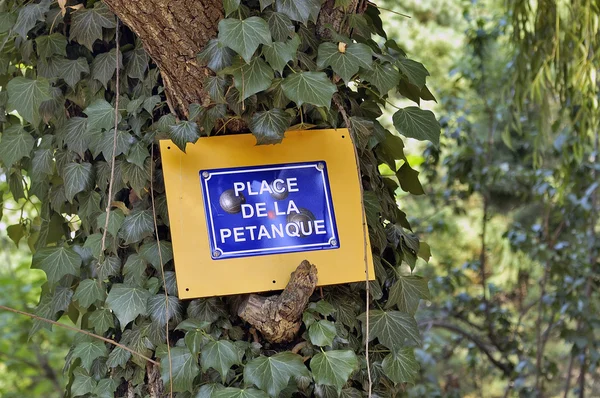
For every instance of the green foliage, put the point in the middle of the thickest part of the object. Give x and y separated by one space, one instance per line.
272 374
274 67
333 368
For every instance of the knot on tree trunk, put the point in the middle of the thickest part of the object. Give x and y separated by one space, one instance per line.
278 318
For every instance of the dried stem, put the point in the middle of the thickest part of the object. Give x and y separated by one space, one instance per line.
62 325
112 163
342 110
162 271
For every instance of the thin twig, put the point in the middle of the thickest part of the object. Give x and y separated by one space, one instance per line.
342 110
388 10
112 163
506 368
162 271
62 325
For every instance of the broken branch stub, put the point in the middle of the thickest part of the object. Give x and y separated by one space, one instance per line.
278 318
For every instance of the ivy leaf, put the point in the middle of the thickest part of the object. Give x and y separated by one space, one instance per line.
409 180
401 366
78 177
361 129
42 163
7 21
216 55
372 207
272 374
149 252
207 390
230 6
309 87
157 308
52 304
220 355
333 368
208 310
88 292
106 143
184 368
232 392
83 383
29 15
101 115
15 233
136 61
106 388
104 66
76 134
137 177
417 123
138 153
102 319
70 70
108 266
115 220
26 96
278 54
269 126
322 333
118 357
424 251
49 45
57 262
265 3
393 328
244 36
407 292
16 144
347 63
414 71
87 24
383 76
136 226
127 302
88 351
134 269
301 11
250 78
184 132
280 25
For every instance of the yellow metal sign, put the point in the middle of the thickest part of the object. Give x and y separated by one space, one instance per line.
243 216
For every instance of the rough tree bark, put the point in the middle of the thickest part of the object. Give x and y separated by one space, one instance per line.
278 318
173 32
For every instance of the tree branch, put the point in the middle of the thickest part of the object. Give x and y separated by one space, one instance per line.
506 368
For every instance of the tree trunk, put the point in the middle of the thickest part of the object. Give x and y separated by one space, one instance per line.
173 32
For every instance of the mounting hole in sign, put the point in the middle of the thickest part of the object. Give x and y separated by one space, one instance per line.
343 136
187 289
168 147
274 281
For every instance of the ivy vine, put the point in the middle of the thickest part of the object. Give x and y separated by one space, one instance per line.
274 70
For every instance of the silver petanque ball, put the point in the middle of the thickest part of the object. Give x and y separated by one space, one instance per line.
230 203
302 219
279 195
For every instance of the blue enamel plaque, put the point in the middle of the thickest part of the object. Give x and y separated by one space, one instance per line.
282 208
